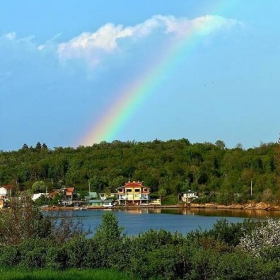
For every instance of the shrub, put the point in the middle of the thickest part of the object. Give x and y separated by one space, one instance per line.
22 221
109 238
10 256
262 238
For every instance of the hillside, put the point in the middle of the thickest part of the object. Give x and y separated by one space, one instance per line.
219 174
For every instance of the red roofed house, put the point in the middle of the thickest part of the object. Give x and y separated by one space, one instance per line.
133 193
69 194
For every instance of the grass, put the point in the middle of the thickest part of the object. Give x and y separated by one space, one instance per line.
71 274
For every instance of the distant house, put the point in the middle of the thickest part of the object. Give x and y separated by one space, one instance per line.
35 196
188 196
156 202
133 193
94 199
5 192
69 195
53 193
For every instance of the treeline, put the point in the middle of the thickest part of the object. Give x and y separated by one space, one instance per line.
247 250
169 167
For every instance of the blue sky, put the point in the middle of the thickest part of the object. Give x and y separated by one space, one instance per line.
62 63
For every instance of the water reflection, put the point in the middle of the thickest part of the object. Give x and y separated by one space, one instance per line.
248 213
181 220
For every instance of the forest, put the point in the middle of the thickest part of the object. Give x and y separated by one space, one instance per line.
219 174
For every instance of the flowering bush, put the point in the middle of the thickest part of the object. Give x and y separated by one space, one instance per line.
264 237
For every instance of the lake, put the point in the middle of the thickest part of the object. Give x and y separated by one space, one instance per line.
181 220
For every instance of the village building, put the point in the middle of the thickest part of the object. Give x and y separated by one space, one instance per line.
5 193
69 195
188 196
95 200
133 193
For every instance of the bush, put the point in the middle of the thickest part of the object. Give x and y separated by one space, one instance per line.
22 221
10 256
262 238
109 238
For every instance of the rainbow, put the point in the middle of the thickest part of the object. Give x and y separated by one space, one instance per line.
127 100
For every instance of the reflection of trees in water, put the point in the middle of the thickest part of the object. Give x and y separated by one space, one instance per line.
248 213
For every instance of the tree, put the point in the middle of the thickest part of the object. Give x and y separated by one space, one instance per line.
22 221
162 193
109 237
38 147
38 187
220 144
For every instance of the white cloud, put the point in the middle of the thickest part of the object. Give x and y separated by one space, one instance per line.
10 36
93 46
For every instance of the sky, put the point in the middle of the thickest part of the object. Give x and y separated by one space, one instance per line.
74 73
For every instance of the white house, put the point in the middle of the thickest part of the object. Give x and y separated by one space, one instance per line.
188 196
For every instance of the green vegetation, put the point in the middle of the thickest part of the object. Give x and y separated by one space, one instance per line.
71 274
248 250
219 174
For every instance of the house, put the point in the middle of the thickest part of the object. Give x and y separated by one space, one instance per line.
156 202
94 199
188 196
133 193
69 195
5 192
36 196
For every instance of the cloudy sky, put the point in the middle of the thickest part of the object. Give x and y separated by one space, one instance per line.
78 72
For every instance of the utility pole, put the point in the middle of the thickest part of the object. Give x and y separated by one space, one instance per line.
251 188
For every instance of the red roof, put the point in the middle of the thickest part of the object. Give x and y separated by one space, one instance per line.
70 189
8 187
133 184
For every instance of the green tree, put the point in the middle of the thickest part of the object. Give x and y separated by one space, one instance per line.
38 187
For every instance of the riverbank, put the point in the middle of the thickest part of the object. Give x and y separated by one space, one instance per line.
246 206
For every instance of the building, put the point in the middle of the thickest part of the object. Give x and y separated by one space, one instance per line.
95 200
133 193
69 196
5 193
188 196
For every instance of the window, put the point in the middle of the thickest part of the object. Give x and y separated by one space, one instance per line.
137 190
128 190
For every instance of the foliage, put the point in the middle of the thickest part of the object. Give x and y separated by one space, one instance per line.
209 254
24 221
71 274
38 187
219 174
109 238
262 238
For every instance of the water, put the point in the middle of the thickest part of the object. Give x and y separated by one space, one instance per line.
181 220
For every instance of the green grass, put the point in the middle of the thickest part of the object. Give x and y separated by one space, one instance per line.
71 274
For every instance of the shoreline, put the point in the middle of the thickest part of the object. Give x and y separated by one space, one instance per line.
247 206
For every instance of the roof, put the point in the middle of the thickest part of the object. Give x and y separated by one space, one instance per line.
69 193
134 184
8 187
93 194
